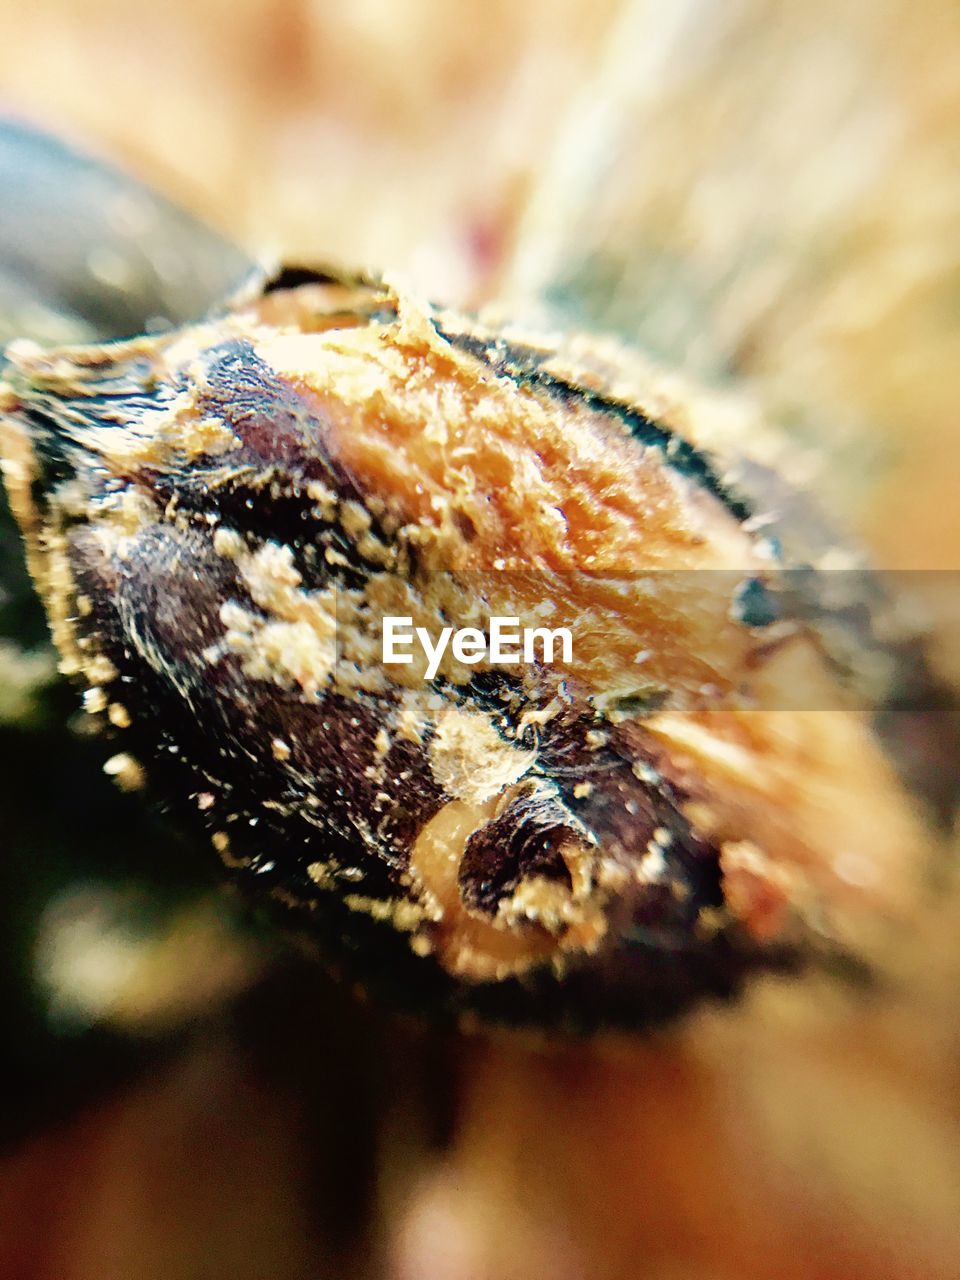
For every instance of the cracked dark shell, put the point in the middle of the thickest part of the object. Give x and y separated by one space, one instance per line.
219 519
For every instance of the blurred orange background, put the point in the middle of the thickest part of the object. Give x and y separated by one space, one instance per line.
767 195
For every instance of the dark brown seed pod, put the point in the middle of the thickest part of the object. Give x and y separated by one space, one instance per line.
220 520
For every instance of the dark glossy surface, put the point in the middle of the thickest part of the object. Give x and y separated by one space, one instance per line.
88 252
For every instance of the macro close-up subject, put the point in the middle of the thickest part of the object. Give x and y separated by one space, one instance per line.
479 622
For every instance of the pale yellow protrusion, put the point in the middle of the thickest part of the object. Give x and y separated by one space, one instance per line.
537 924
126 771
